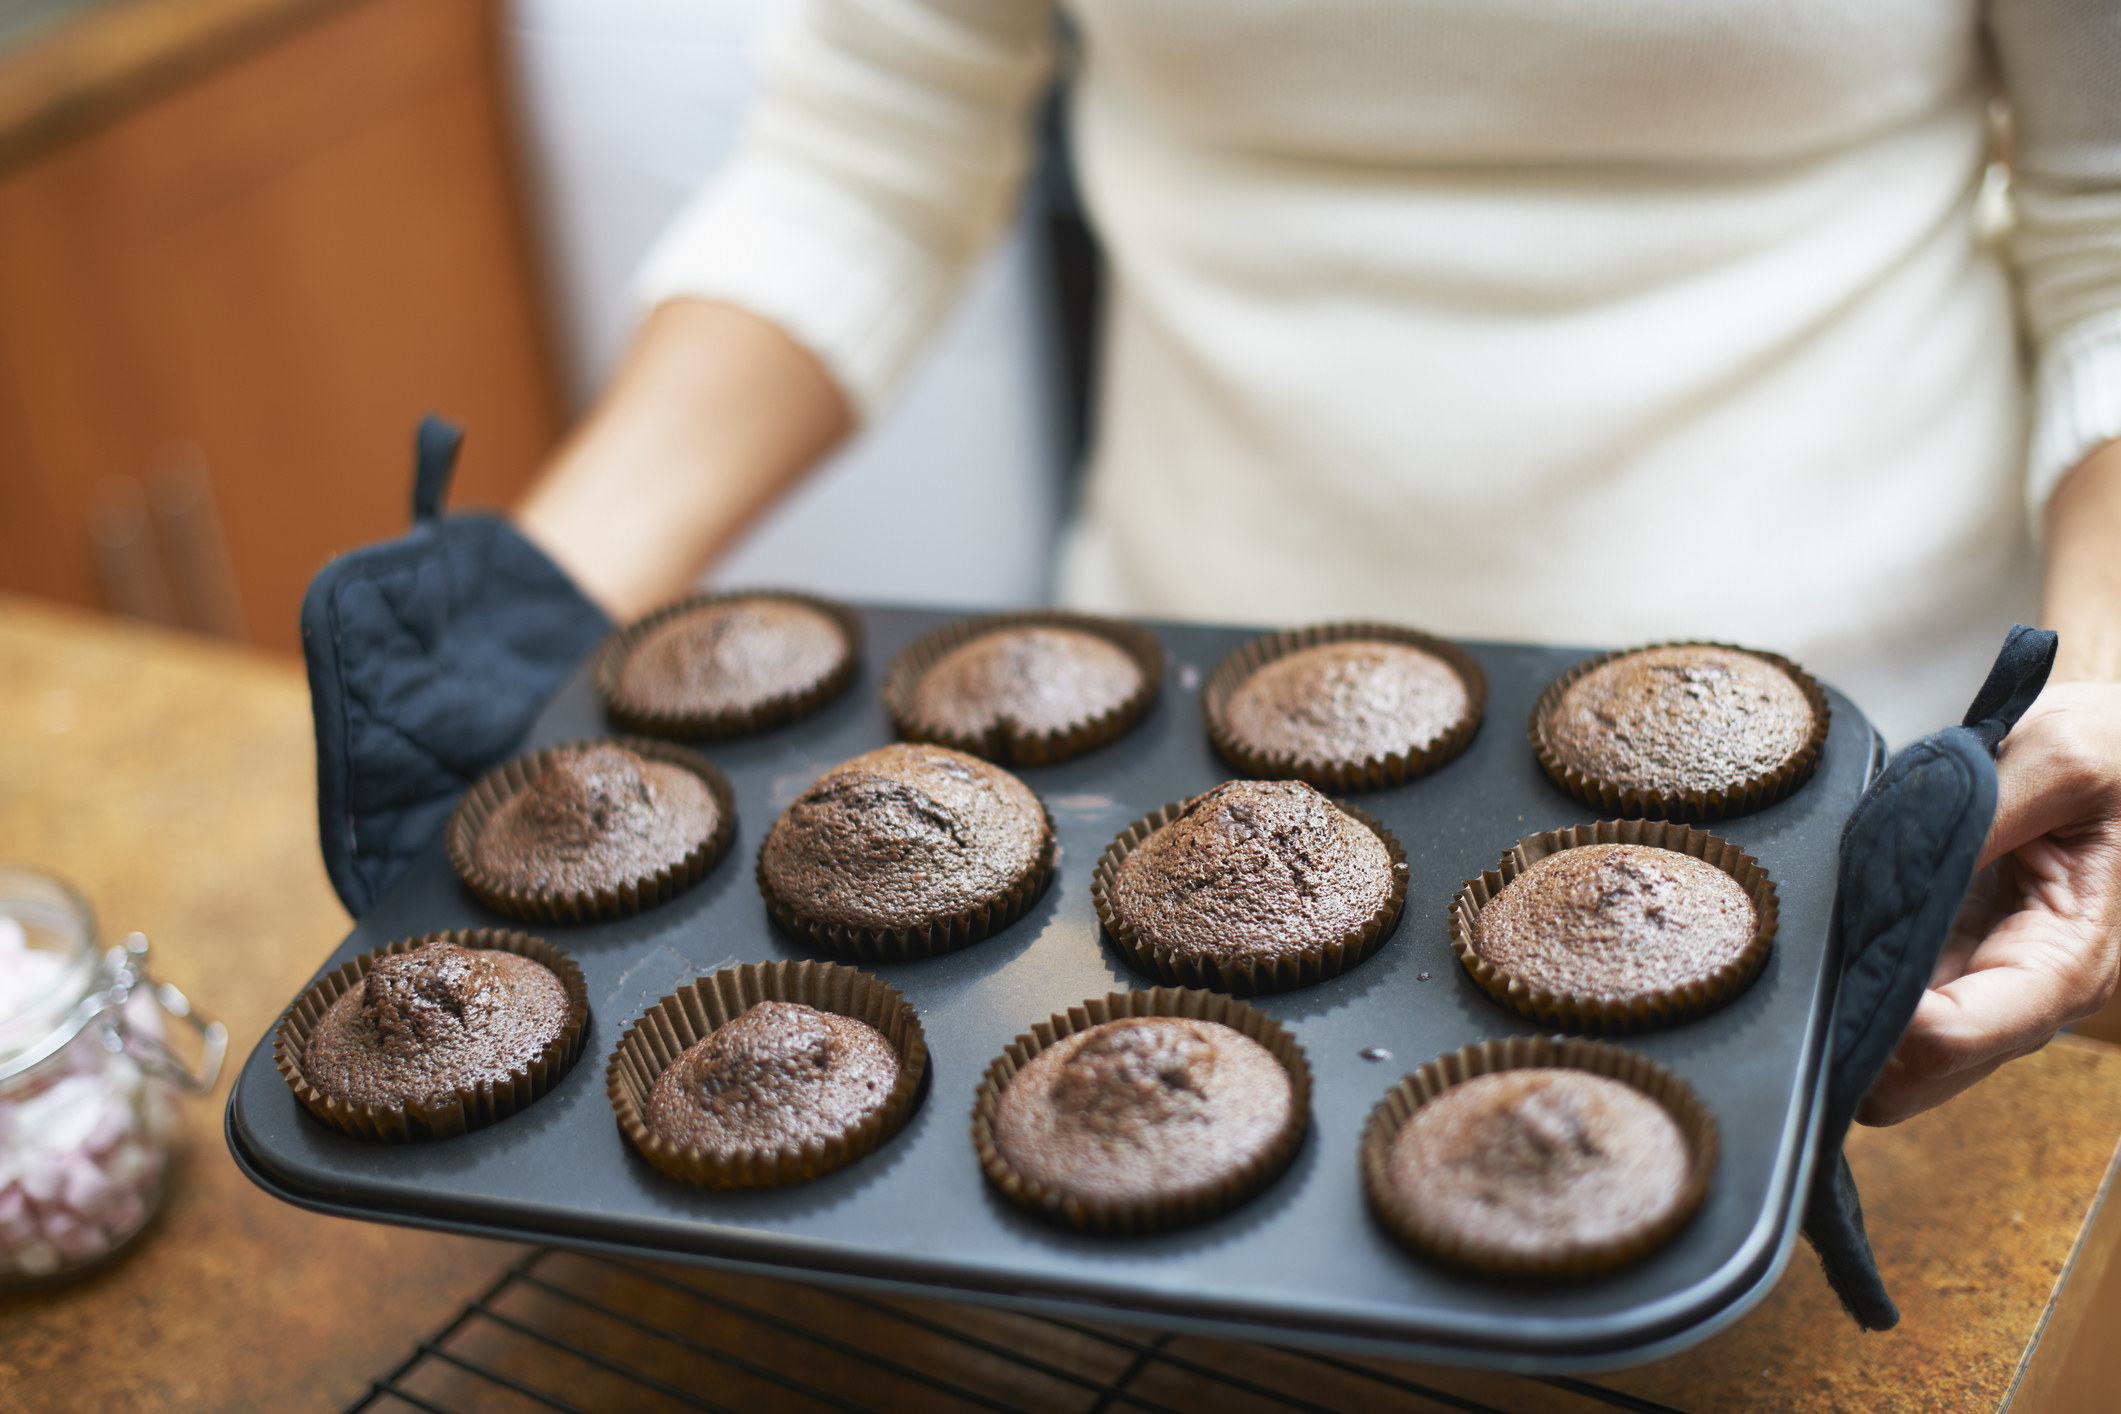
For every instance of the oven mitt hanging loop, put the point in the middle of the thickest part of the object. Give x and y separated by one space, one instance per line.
1907 856
428 658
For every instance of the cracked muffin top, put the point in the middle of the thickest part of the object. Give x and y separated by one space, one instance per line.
777 1077
1685 717
1145 1108
903 836
596 819
1616 920
425 1024
1255 869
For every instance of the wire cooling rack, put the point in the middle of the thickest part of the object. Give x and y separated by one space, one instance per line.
584 1334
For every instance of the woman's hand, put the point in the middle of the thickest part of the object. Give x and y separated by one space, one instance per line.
2038 941
2037 945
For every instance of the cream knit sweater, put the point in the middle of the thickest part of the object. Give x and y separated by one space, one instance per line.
1590 321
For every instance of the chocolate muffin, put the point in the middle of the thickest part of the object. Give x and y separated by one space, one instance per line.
1345 706
1616 926
1033 679
1141 1111
1343 703
1687 730
727 664
1539 1170
593 820
1616 919
767 1074
905 851
426 1025
1026 688
1133 1111
781 1075
1254 886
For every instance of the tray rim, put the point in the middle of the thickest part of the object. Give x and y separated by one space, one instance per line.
1587 1343
1584 1362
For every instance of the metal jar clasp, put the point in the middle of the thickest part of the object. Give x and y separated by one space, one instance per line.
125 972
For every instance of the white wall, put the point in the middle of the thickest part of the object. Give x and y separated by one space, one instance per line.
953 495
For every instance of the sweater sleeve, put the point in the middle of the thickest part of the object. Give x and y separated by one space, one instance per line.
882 158
2060 62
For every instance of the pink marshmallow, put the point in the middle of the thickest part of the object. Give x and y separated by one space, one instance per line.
18 1226
43 1180
38 1259
87 1191
75 1239
129 1166
113 1124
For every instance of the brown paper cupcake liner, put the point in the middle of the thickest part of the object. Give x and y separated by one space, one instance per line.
1523 1053
472 1107
1371 773
931 939
1006 743
1633 802
775 711
1175 1209
584 905
679 1021
1239 976
1593 1011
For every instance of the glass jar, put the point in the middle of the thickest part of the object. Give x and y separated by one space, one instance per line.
88 1083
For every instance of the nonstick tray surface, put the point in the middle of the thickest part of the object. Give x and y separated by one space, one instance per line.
1305 1262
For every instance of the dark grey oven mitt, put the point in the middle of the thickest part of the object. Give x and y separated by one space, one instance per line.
1907 856
428 657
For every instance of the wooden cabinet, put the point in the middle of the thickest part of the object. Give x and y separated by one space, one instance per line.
293 238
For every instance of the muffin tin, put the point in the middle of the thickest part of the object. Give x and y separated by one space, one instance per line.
1306 1262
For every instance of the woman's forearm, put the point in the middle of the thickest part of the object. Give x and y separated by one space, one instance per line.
2082 594
715 414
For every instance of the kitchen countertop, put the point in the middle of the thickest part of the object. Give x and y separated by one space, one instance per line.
171 780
